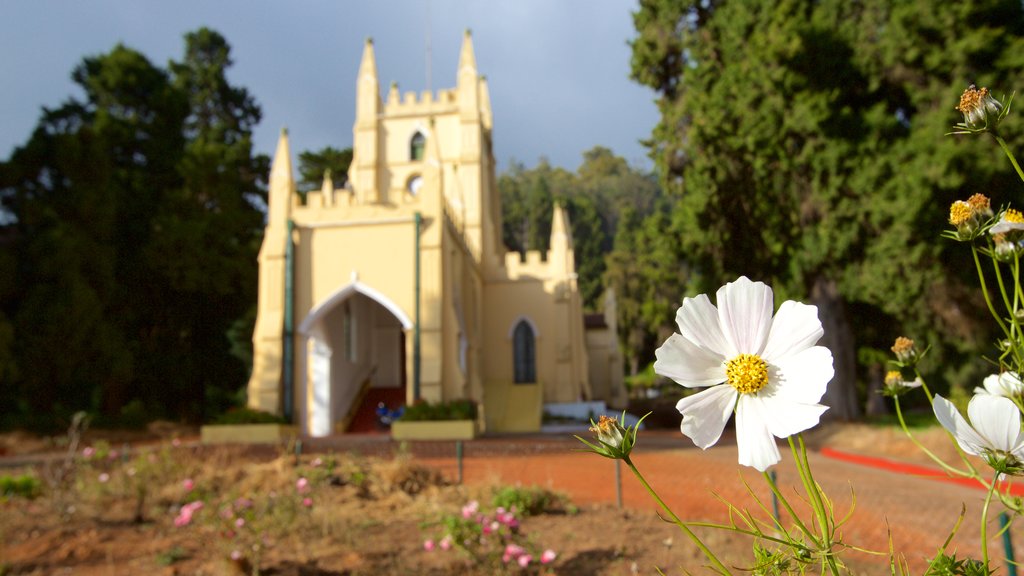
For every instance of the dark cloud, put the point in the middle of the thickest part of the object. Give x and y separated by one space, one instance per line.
558 71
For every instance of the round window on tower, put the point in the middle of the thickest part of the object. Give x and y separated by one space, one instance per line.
414 184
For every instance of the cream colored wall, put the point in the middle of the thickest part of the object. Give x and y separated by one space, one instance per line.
367 233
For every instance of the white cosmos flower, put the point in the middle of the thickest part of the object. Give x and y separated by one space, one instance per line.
1007 384
768 370
1009 221
996 434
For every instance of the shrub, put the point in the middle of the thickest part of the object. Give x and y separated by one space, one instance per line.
24 486
454 410
248 416
529 500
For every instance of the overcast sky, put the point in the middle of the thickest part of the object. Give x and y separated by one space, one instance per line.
558 70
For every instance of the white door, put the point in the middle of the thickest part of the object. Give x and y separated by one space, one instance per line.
320 419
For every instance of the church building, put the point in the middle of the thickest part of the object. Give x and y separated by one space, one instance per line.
398 288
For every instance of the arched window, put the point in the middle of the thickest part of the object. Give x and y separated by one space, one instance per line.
417 146
524 353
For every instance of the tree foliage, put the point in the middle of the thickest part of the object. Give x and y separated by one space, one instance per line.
595 196
314 164
133 231
803 143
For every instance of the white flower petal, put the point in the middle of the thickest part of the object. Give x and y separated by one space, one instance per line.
698 321
1011 383
785 418
745 312
705 414
996 419
796 327
951 420
992 386
803 377
755 442
688 364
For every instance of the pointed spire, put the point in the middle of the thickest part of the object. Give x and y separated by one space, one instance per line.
468 81
367 87
368 66
560 226
327 190
485 103
467 60
561 253
282 186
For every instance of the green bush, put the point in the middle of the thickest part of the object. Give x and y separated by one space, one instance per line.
530 500
248 416
24 486
454 410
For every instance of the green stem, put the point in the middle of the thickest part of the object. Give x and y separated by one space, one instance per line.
814 492
984 290
682 525
1006 149
785 503
929 453
984 520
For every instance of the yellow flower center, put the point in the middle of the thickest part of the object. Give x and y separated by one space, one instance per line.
972 99
959 213
1014 216
892 378
747 373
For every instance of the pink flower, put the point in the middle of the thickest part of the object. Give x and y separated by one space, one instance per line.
88 452
188 484
187 511
548 557
239 522
514 551
307 502
104 478
112 455
316 463
524 560
506 558
243 503
446 543
469 510
176 442
236 555
428 545
302 485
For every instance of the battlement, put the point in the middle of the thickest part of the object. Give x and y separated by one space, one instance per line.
412 103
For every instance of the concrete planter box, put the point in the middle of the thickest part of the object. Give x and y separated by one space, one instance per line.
435 430
247 433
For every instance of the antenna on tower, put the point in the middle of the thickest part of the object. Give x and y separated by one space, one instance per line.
428 55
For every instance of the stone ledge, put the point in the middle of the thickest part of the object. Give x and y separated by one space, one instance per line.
435 430
247 433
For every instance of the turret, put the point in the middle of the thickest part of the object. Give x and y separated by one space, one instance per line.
364 172
327 189
561 255
468 80
282 184
368 87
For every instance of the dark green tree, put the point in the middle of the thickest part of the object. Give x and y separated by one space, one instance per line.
131 224
313 165
804 145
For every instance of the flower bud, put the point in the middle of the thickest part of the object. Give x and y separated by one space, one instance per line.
905 351
980 109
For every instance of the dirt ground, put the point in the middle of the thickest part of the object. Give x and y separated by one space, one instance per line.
372 512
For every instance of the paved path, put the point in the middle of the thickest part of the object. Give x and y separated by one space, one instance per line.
919 511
